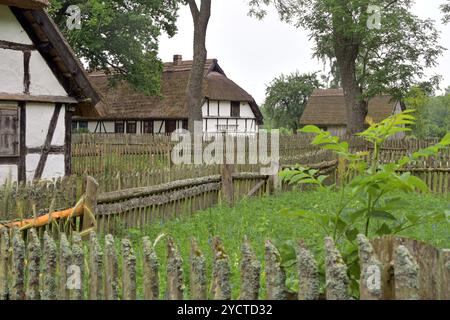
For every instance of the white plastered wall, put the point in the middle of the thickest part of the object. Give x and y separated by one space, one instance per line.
10 28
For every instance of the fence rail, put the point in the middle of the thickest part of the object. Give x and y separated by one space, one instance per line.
391 269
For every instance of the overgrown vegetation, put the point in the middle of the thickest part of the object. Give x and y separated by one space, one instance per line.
261 219
367 189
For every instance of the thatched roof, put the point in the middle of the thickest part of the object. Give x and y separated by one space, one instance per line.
124 102
26 4
327 107
54 48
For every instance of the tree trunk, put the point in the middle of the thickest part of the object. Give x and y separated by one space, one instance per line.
346 51
194 90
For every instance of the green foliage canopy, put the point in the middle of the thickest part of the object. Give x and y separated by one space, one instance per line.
120 36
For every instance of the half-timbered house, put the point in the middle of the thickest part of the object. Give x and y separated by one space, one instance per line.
41 85
227 108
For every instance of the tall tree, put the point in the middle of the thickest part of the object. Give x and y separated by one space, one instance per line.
194 90
446 10
286 99
373 57
120 36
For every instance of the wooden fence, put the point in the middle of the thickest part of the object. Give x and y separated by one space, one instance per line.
391 269
135 208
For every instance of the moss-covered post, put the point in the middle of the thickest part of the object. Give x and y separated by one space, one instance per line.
371 271
4 263
34 266
250 273
275 274
308 274
406 272
76 271
65 261
17 291
111 269
49 272
175 286
221 286
151 271
95 268
198 278
337 281
129 271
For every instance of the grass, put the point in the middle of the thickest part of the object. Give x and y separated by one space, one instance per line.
260 219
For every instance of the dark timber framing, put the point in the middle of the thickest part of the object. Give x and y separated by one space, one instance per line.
68 141
47 146
16 46
21 167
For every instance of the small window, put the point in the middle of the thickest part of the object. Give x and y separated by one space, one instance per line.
147 127
119 127
235 109
131 127
74 126
9 133
171 126
83 125
185 125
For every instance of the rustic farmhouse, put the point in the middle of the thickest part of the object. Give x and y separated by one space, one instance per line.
326 109
42 83
226 108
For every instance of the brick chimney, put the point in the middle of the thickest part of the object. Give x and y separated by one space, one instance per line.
177 59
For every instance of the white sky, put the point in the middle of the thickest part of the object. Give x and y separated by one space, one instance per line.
253 52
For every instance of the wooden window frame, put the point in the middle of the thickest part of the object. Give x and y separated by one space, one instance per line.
119 123
235 109
16 147
132 124
148 127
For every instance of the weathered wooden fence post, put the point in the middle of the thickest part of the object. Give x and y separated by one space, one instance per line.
275 274
221 287
371 271
250 273
4 263
336 273
34 266
175 286
65 261
406 275
275 180
112 269
49 273
308 274
76 279
95 268
151 271
227 184
90 204
445 265
129 271
198 279
17 291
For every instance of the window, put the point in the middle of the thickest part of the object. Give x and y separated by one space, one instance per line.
119 127
83 125
74 126
171 126
131 127
185 125
235 109
147 127
9 133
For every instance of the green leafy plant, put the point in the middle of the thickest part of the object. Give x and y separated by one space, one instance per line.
367 187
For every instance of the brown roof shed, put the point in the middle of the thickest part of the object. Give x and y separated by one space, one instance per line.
327 107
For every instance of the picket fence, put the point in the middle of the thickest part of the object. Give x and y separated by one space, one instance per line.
391 269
